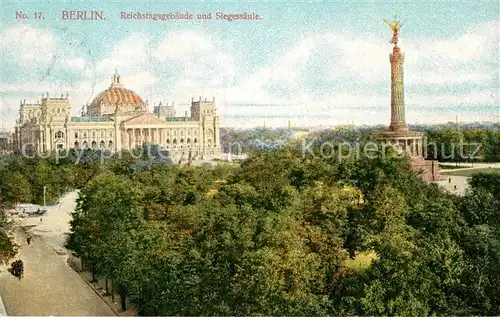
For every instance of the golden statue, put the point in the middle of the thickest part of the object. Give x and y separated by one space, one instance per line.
395 26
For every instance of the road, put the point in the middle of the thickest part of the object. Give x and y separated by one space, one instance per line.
463 166
49 287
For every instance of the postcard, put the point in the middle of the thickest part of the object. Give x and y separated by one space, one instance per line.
249 158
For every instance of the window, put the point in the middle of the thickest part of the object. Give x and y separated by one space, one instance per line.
84 134
102 145
76 135
59 135
110 134
102 134
93 134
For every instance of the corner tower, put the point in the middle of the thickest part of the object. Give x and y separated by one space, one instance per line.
205 113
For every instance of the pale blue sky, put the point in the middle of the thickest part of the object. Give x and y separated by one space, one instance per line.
315 62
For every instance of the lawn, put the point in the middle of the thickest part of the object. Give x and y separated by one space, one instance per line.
361 261
470 172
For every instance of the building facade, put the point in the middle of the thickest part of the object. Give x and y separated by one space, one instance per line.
6 141
118 119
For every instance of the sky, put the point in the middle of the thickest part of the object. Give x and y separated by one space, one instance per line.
312 63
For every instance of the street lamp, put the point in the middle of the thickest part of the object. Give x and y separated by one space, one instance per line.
44 189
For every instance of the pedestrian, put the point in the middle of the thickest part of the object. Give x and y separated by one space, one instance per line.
28 240
41 218
449 180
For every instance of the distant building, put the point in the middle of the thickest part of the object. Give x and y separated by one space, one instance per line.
118 119
6 141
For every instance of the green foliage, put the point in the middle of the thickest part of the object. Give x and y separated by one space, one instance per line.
487 181
274 234
15 187
7 247
474 144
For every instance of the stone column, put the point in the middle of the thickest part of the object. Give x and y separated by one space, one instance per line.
398 121
68 139
50 138
46 139
118 137
131 139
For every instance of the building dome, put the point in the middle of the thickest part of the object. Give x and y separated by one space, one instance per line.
115 97
116 93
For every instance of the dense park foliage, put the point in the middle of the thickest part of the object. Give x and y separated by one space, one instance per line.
446 143
473 144
281 233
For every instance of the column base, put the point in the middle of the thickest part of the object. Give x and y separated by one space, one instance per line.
398 126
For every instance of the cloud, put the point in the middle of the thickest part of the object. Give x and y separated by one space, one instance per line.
196 57
332 73
128 55
76 64
177 45
28 44
38 88
343 63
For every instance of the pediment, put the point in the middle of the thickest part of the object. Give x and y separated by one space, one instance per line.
144 118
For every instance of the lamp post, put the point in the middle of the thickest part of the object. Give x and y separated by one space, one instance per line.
44 188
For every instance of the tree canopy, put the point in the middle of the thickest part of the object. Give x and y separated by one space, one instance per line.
282 233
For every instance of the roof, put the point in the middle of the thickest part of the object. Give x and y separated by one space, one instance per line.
144 118
114 95
177 119
91 119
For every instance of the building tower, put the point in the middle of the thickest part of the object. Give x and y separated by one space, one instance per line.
399 136
205 113
398 120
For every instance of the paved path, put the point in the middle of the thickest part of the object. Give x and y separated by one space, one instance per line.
49 286
459 185
467 166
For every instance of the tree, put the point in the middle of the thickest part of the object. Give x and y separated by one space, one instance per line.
108 211
15 187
